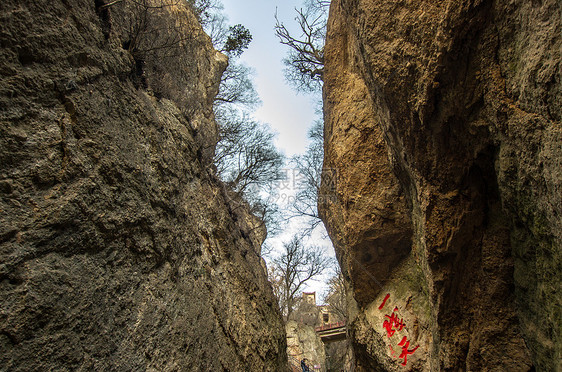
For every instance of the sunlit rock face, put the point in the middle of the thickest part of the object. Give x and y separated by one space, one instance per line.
442 190
119 250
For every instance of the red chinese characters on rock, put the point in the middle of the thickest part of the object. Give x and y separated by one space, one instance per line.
405 344
384 301
393 323
392 353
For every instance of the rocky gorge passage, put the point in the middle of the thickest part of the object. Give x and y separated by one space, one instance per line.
119 248
443 126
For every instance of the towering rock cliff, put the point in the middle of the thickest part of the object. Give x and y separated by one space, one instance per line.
443 126
119 249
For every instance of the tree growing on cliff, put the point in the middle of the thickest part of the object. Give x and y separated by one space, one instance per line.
296 265
249 163
146 29
245 154
236 89
236 86
157 33
304 70
305 58
205 10
246 158
238 39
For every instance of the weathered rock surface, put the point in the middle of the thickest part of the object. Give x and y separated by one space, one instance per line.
303 342
443 125
119 250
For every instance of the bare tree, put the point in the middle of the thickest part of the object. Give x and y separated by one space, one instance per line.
305 59
245 154
267 210
309 173
322 5
236 88
155 33
231 40
205 10
294 267
336 297
217 28
249 165
147 28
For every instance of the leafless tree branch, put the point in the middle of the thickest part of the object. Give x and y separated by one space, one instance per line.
305 60
294 268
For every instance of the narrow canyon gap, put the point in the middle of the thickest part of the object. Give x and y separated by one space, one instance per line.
120 249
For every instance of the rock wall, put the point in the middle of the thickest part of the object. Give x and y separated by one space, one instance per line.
442 124
119 248
303 342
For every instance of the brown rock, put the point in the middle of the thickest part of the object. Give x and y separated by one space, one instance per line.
443 126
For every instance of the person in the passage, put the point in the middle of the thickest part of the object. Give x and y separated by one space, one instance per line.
304 366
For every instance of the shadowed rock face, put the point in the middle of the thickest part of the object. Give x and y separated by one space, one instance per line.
119 250
442 123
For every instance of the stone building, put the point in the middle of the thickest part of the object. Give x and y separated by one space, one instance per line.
302 339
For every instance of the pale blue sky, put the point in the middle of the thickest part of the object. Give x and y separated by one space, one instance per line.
289 114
